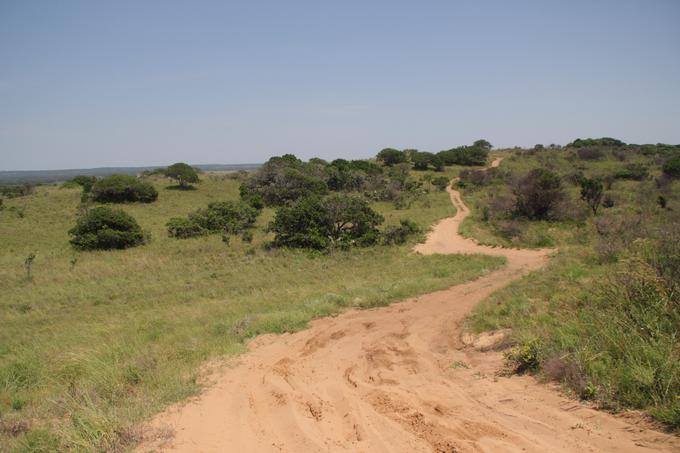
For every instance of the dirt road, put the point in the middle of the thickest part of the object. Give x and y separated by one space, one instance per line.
382 381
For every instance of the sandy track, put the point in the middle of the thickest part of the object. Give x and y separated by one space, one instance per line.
381 381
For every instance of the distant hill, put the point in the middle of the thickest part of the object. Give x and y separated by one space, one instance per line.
50 176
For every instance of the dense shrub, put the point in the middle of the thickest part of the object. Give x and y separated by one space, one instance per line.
19 190
440 182
319 223
391 156
123 188
480 178
284 179
183 173
182 228
636 172
671 167
227 217
84 181
105 228
537 194
465 155
589 153
596 142
355 175
394 234
422 160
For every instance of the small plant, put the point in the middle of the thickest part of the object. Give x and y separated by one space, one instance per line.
247 237
591 193
662 201
524 357
400 234
28 265
459 364
73 261
182 228
607 201
226 238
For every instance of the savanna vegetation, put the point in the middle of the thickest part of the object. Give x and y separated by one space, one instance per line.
109 311
604 317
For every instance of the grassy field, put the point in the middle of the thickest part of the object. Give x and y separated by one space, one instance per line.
94 342
603 317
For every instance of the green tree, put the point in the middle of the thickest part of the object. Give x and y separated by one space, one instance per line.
592 191
483 144
319 223
391 156
183 173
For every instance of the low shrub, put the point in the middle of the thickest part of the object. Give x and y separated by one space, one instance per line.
440 182
103 228
635 172
538 194
590 153
14 191
122 189
671 167
84 181
395 235
182 228
227 217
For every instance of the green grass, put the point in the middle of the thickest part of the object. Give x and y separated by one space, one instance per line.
96 342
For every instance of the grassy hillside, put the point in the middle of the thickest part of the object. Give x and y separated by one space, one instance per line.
603 318
96 341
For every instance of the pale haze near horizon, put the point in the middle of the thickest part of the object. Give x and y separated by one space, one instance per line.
93 84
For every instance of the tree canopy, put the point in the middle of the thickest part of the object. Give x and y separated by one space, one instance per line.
183 173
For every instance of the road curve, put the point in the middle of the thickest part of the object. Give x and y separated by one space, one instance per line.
381 380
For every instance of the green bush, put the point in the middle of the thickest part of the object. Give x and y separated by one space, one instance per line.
537 194
399 234
232 217
465 155
440 182
123 188
636 172
391 156
227 217
320 223
84 181
104 228
284 179
182 228
672 167
19 190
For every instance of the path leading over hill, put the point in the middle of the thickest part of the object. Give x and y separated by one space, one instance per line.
381 381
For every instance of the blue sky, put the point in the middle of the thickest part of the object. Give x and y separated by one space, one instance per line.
96 83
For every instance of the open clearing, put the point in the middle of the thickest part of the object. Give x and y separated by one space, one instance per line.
398 378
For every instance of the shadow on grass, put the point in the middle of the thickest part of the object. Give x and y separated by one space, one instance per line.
178 187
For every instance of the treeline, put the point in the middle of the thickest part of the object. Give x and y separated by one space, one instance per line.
319 205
